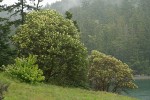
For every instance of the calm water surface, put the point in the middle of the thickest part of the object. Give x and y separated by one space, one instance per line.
143 91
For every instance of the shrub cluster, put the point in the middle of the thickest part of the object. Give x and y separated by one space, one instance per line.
26 70
61 56
106 73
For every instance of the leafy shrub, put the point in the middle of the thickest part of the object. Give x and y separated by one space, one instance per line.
107 73
3 88
26 70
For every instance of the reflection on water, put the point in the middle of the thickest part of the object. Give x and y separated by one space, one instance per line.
143 91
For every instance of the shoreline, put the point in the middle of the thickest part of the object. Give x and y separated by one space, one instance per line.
141 77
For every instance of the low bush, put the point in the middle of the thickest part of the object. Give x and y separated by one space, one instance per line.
26 69
106 73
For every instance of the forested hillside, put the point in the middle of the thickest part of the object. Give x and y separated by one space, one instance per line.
117 27
89 47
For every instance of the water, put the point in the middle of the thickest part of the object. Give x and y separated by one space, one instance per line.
143 91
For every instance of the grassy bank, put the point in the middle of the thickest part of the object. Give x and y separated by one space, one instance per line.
23 91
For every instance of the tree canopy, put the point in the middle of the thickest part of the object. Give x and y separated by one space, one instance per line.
55 40
116 27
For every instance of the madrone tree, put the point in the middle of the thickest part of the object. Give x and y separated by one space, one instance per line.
107 73
55 40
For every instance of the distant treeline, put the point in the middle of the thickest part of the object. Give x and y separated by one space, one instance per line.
120 28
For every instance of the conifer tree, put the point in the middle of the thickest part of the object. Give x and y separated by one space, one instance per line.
5 51
21 7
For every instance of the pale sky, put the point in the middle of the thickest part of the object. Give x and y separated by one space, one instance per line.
9 2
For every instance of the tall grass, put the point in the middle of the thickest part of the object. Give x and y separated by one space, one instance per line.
23 91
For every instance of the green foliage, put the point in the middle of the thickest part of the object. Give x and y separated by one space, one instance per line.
116 27
8 18
55 41
107 73
3 88
26 70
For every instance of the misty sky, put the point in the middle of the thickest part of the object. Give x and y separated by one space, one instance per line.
43 3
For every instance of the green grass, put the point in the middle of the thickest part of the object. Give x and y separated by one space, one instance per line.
23 91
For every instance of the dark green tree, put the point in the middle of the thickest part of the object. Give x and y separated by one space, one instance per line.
69 16
5 50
